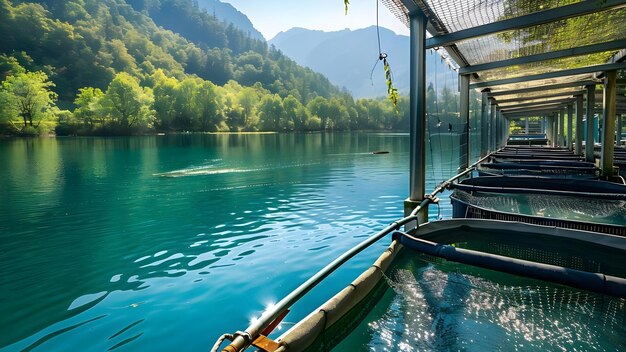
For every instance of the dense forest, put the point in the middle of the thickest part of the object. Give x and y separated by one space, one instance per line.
137 66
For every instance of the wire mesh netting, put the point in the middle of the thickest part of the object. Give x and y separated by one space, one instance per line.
565 34
541 82
596 210
435 305
546 66
448 16
539 95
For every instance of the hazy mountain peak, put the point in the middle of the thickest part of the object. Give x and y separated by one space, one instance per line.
228 13
347 56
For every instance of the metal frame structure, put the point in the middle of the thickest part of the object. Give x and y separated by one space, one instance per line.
510 97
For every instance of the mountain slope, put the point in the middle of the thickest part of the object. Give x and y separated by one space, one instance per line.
229 14
347 57
82 43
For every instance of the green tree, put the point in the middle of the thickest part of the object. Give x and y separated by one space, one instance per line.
248 98
88 106
270 112
164 98
321 108
128 104
208 102
28 95
295 115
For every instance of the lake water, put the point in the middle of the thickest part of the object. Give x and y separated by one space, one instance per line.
166 242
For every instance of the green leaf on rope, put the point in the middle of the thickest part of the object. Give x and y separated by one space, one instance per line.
392 92
346 3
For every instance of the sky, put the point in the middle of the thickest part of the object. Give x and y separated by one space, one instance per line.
273 16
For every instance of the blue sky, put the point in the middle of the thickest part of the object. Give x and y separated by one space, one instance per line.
273 16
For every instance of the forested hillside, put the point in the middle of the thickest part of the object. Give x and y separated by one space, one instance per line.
158 65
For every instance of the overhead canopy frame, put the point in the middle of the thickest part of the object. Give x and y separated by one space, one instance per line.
581 38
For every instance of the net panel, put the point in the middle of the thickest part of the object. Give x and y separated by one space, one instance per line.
565 34
542 82
538 101
546 66
452 16
538 95
458 15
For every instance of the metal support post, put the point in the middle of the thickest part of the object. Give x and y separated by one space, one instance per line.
555 129
570 127
562 127
609 107
498 128
464 81
417 111
492 133
526 124
618 130
579 125
589 141
506 123
484 123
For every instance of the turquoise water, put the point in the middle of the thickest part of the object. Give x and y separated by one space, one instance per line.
166 242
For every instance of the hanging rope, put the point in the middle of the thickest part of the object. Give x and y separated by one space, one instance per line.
392 91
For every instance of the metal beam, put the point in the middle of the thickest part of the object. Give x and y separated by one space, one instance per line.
619 56
543 87
608 140
548 75
530 20
581 50
553 107
534 107
538 112
417 117
589 142
410 5
554 95
546 102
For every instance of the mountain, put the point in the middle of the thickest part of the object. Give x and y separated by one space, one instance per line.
347 57
229 14
82 43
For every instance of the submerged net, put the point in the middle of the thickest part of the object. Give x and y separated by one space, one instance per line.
572 208
435 305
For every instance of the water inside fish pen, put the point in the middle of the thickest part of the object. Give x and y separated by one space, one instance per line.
435 305
597 210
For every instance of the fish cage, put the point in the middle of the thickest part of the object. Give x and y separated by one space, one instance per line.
590 205
416 265
528 139
546 168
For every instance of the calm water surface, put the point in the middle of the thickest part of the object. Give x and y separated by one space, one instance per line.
166 242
